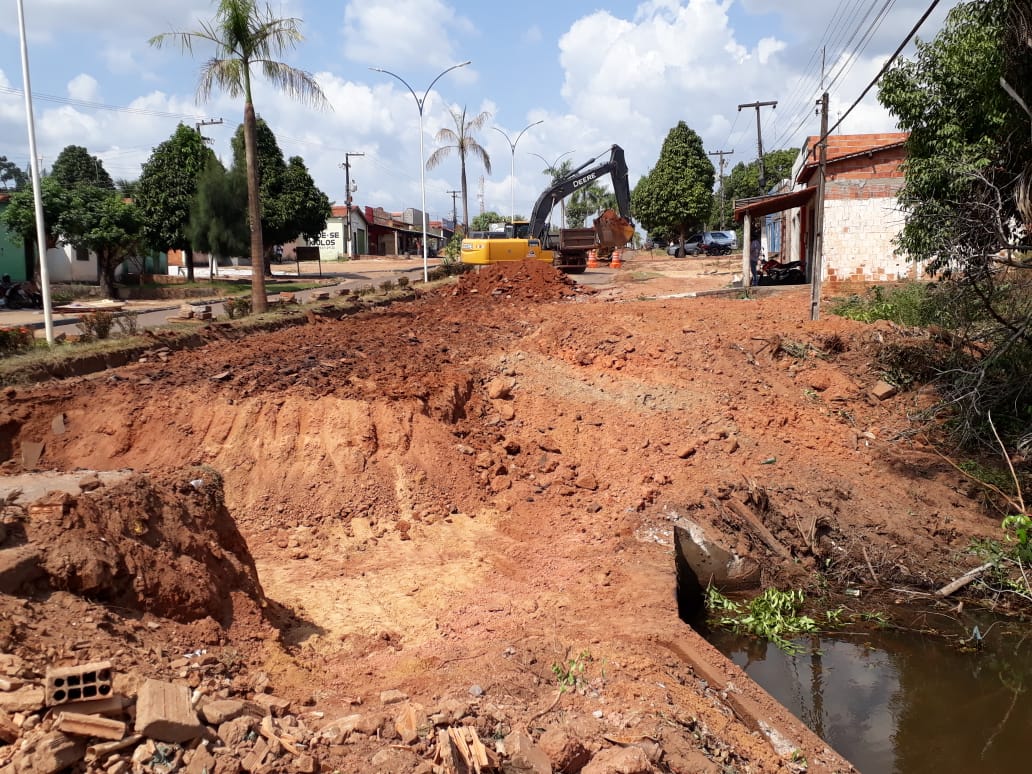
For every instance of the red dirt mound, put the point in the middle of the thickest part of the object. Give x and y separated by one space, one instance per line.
164 545
526 280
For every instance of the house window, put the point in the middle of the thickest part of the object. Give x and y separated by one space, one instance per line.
82 254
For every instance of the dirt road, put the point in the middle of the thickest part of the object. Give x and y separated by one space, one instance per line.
470 498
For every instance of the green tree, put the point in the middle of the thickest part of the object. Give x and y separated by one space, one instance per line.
483 221
104 222
246 36
166 190
218 216
587 201
949 98
20 214
11 176
744 180
75 166
292 206
964 198
463 140
676 196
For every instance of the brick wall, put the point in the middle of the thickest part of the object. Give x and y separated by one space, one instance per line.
858 234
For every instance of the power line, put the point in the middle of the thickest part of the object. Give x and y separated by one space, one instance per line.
99 105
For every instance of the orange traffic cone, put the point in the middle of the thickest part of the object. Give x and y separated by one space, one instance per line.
592 259
616 263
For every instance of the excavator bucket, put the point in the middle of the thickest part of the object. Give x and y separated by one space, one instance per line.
612 230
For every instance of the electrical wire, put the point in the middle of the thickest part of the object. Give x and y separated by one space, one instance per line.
99 105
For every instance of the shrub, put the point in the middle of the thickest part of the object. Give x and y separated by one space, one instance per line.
96 325
129 323
15 340
237 307
387 286
403 282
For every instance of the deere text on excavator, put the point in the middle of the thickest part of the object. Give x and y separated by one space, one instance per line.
568 249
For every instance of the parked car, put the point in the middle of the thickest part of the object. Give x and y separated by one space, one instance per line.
710 242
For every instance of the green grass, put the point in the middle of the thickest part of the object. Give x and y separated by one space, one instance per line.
911 303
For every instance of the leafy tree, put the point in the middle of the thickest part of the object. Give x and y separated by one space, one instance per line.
587 201
291 204
20 214
11 176
676 196
949 98
483 221
218 217
246 36
75 166
167 188
462 139
964 197
104 222
744 180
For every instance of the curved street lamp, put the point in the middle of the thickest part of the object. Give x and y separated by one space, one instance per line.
512 173
422 180
552 168
554 165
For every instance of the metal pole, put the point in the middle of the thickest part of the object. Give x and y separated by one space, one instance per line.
722 153
422 179
347 200
512 173
37 194
817 268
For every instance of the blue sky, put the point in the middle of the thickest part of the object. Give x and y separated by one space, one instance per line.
594 73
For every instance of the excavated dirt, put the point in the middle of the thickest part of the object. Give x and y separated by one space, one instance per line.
470 497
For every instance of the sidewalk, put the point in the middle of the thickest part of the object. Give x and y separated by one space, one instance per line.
349 274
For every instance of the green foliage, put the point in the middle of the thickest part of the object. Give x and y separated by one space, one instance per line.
20 213
483 221
168 186
569 674
96 326
949 98
75 166
218 221
291 205
462 140
237 307
744 180
14 341
11 176
453 249
913 303
1018 529
586 201
774 616
102 221
676 196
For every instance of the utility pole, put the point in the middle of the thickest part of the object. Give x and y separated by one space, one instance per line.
817 264
454 212
205 122
759 137
347 200
722 153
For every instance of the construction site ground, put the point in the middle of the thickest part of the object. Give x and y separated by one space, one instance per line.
458 511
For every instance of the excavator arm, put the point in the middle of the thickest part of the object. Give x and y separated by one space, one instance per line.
615 167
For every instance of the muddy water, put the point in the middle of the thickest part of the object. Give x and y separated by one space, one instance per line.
903 703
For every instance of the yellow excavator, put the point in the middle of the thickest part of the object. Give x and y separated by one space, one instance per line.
568 249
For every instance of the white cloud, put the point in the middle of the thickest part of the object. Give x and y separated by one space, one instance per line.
83 87
386 33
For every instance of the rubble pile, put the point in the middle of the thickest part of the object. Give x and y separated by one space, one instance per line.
207 723
526 280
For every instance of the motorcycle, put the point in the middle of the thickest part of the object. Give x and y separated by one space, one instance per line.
20 295
774 273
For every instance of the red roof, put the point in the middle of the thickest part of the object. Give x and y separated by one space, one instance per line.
848 146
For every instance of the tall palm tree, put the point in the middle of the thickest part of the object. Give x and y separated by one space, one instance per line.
462 140
245 36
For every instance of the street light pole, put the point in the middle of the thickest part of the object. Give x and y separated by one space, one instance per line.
422 178
552 169
512 173
347 199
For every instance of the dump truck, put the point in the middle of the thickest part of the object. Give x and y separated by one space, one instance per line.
568 248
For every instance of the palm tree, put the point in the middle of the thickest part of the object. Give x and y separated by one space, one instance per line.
245 36
462 139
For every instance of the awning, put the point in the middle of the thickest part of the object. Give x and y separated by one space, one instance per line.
757 206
